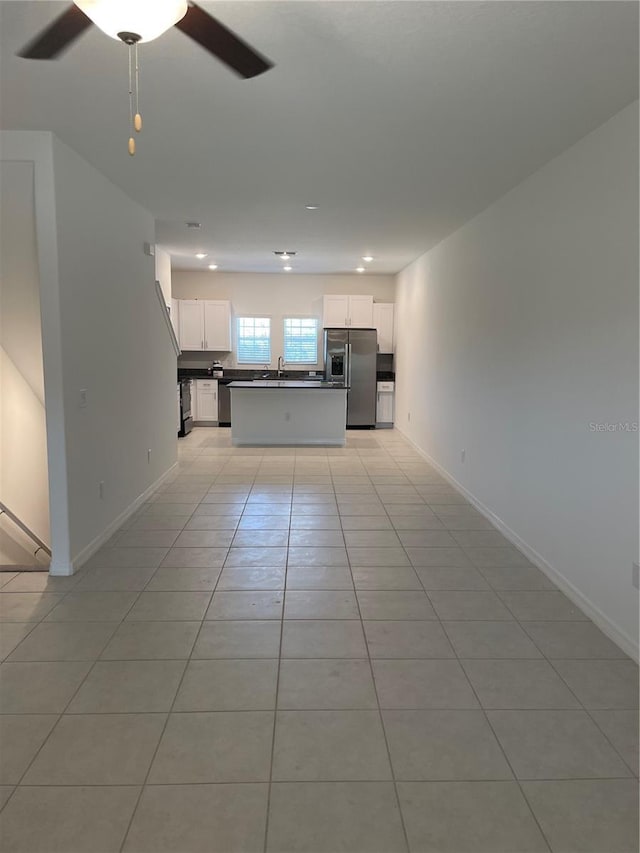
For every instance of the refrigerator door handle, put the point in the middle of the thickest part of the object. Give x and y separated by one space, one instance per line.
349 365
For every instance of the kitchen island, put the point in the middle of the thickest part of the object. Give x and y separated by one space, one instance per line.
277 412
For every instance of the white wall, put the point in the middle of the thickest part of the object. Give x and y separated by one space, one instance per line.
103 331
24 485
514 335
276 296
114 344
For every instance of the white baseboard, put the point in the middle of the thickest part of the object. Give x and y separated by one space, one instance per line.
629 645
89 550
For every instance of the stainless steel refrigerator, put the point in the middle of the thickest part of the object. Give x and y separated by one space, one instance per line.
350 357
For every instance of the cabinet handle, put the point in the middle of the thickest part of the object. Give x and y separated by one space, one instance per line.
201 344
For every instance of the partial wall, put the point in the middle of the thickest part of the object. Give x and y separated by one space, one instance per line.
518 343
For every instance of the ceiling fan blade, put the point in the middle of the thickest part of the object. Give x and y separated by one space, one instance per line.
222 43
58 36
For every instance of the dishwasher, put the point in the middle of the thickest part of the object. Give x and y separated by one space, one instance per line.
224 404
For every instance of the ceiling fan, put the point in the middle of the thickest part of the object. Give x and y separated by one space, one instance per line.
136 21
144 21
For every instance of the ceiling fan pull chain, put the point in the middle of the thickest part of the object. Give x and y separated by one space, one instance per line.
137 119
132 142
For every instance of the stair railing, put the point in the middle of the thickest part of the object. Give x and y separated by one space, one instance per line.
167 318
4 510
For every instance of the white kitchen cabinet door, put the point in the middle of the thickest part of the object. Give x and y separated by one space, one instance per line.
347 312
191 324
207 396
383 322
384 404
335 312
360 312
217 325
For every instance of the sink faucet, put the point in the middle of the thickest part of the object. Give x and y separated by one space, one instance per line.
280 365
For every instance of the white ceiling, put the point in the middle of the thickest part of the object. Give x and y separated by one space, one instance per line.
401 120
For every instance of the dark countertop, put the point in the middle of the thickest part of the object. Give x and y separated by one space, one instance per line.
287 385
249 375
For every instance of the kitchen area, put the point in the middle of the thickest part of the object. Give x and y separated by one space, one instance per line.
320 363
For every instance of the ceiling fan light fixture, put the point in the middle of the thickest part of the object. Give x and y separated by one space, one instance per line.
145 18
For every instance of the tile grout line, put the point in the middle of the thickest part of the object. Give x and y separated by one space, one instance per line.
275 709
380 715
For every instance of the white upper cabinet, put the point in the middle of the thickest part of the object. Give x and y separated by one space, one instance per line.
383 322
205 324
217 325
347 312
361 312
191 324
335 310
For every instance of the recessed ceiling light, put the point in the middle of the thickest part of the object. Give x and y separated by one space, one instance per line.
311 206
213 266
287 268
367 258
359 269
201 255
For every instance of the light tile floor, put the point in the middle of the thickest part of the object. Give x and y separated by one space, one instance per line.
310 650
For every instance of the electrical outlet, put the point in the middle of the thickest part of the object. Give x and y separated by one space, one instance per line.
83 398
635 575
101 489
149 455
463 455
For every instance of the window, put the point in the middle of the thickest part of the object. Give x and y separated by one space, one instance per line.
254 340
301 340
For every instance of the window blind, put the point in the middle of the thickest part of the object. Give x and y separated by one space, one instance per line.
300 340
254 340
